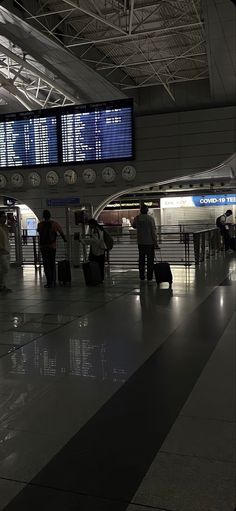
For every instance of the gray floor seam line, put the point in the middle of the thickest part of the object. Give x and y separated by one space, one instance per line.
57 327
197 417
131 417
175 453
62 490
148 506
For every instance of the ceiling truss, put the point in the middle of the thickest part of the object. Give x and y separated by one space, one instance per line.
29 82
132 43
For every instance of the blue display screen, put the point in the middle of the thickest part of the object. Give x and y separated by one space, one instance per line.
102 134
28 142
73 134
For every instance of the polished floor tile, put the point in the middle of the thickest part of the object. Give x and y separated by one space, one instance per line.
48 499
6 348
187 483
38 328
17 338
94 380
135 507
212 439
8 490
62 307
12 305
214 395
60 410
23 454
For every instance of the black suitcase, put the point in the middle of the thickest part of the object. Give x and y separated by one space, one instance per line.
232 243
64 272
92 274
163 273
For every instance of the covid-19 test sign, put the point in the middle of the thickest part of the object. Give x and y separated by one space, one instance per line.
198 201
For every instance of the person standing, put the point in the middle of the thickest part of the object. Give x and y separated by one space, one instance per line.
4 253
147 241
48 230
222 224
97 245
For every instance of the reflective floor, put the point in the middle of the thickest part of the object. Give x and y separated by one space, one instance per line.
119 397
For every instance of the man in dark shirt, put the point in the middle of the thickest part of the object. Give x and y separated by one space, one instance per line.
48 230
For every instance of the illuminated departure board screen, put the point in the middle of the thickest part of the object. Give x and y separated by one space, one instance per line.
73 134
28 142
97 133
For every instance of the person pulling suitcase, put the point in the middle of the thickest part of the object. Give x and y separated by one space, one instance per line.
147 242
162 272
94 268
48 230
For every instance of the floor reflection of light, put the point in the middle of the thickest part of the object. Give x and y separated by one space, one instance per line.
83 322
233 275
221 301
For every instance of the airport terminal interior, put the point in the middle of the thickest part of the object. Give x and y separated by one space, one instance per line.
118 394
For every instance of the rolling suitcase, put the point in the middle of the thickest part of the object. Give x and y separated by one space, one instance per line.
163 273
64 272
92 274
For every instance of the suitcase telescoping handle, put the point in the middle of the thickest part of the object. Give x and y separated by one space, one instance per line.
155 257
66 249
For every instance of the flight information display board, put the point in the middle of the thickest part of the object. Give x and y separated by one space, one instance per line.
28 142
97 134
74 134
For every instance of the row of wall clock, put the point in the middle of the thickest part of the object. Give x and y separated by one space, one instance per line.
70 177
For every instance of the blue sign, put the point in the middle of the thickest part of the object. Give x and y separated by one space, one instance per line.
66 201
214 200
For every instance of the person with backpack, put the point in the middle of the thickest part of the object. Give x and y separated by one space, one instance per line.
97 245
221 223
147 241
48 230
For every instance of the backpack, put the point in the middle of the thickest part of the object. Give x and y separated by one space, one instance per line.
109 242
47 235
219 222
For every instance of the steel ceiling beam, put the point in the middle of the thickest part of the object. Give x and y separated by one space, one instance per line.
38 73
188 26
95 16
131 14
143 21
192 56
51 13
185 23
185 53
27 84
9 86
137 86
110 11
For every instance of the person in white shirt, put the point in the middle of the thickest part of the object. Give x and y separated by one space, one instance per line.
97 245
222 224
4 253
147 241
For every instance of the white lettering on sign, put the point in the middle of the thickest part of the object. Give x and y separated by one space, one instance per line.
197 201
212 200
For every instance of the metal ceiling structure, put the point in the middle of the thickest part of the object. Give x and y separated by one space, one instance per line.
157 42
132 44
29 82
